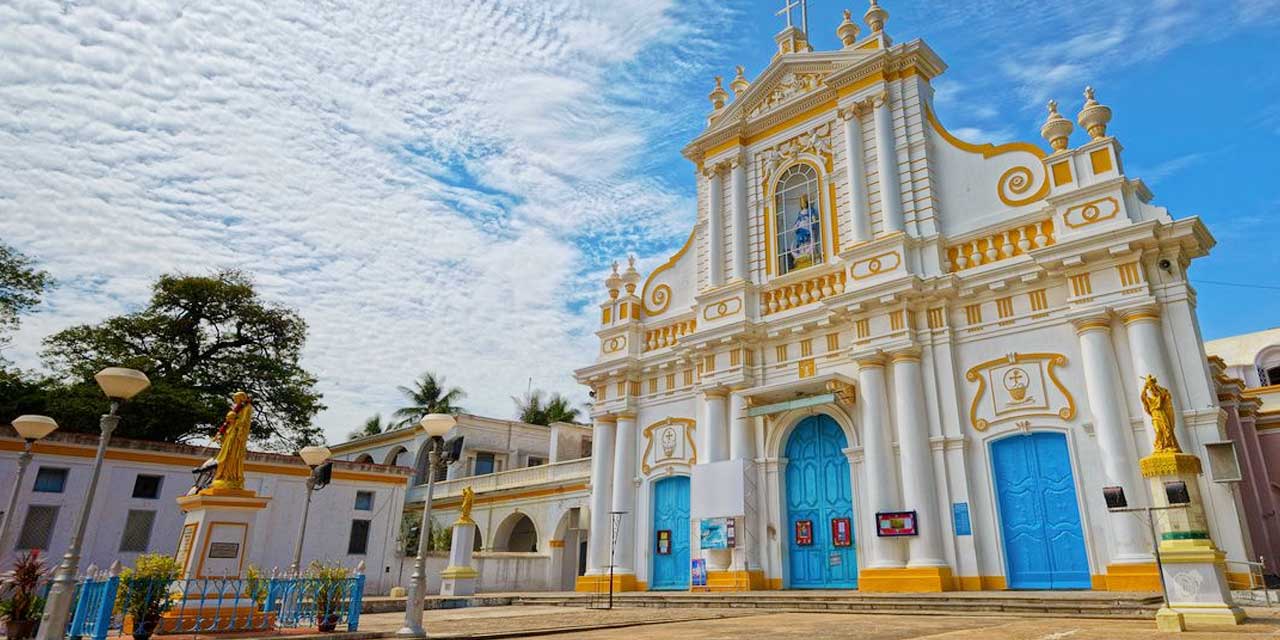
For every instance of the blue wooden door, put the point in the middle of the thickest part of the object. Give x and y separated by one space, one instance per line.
818 493
1039 514
670 514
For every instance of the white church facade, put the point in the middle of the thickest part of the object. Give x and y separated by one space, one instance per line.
892 360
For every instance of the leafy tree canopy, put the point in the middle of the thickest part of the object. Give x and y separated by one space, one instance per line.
21 285
536 408
200 339
428 395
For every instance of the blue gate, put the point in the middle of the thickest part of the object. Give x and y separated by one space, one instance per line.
1039 515
670 538
818 502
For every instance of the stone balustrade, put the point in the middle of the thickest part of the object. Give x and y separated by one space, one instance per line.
803 292
1000 245
667 335
523 477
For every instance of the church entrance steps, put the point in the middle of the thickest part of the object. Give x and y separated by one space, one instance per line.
1089 604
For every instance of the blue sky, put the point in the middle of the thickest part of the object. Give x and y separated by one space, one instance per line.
442 185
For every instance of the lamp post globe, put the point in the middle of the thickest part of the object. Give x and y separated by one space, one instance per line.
437 424
120 385
314 456
30 428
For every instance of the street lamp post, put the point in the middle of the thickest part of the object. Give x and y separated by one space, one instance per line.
30 429
436 425
119 385
314 457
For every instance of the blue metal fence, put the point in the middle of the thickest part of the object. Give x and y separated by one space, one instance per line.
214 605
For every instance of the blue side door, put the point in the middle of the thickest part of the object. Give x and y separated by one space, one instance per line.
1039 513
819 495
670 518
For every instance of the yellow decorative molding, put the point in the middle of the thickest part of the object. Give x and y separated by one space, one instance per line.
1091 212
1015 182
803 292
806 368
669 445
616 343
1019 403
1092 324
875 265
1100 160
728 581
1168 463
456 572
1061 173
600 584
906 580
1001 245
1132 577
722 309
656 301
668 335
985 150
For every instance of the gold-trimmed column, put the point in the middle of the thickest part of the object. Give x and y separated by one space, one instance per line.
1111 428
601 500
881 474
856 171
1146 349
887 164
715 225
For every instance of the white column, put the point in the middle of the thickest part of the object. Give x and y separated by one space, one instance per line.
856 170
715 444
601 495
887 161
742 444
715 228
919 485
1111 426
881 478
1146 349
740 230
624 493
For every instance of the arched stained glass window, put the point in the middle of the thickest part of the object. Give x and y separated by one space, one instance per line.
797 219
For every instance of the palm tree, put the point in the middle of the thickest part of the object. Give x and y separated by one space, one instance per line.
533 408
428 395
371 427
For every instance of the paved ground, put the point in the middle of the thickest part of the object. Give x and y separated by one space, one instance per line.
726 624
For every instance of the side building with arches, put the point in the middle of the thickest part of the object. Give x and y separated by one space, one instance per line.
530 484
889 359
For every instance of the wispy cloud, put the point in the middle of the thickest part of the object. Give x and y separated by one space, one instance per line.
1159 172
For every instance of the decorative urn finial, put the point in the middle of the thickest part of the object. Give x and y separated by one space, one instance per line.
848 31
1094 116
875 17
718 95
1056 129
739 83
631 277
614 282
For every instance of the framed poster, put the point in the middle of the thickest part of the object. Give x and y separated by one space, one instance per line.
804 532
664 542
731 532
841 532
715 533
960 514
698 572
891 524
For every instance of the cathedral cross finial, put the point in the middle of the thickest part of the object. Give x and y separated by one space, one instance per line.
788 5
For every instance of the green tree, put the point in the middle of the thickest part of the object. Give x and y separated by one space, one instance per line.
200 339
372 426
21 286
428 395
535 408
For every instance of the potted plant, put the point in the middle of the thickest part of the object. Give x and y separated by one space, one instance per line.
145 593
21 606
328 585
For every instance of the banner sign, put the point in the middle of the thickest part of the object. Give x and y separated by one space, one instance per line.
715 533
698 572
896 523
960 514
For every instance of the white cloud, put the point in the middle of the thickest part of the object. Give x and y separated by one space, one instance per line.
419 179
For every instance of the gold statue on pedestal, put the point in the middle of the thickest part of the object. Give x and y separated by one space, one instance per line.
233 443
468 499
1158 403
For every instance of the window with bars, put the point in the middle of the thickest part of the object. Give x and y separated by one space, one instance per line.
359 542
37 528
137 531
147 486
50 480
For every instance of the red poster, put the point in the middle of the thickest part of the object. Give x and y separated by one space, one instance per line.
841 532
804 532
896 523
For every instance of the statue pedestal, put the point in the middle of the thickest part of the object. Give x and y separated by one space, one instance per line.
1194 568
459 578
214 545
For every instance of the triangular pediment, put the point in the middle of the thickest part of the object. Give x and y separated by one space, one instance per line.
787 78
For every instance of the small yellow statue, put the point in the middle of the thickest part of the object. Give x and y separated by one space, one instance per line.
468 498
233 442
1158 404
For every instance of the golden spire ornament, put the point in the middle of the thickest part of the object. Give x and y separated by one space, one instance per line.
1094 116
847 31
718 95
875 17
1056 129
739 83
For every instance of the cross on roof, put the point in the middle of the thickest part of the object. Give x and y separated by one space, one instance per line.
788 5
